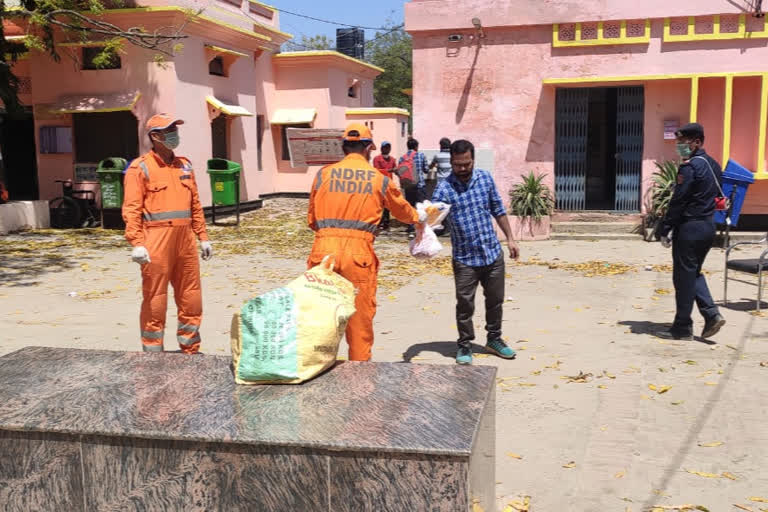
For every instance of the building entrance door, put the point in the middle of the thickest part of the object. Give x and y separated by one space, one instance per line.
19 159
599 148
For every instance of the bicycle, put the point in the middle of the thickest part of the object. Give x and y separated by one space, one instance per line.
74 209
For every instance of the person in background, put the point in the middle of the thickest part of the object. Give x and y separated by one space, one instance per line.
477 254
442 161
689 228
345 207
163 221
385 165
416 192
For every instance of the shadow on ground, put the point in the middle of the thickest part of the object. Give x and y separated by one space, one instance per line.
444 348
745 305
27 256
651 328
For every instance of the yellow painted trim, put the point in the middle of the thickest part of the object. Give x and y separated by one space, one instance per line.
762 171
377 111
694 99
645 78
601 39
326 53
716 35
127 108
21 56
219 49
727 115
218 104
201 17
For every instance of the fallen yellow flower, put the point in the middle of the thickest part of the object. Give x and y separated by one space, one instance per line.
713 444
703 474
660 390
570 465
514 456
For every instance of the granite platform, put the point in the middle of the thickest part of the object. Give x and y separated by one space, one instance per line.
103 430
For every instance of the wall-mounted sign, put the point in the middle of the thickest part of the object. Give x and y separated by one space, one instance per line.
314 146
670 127
85 173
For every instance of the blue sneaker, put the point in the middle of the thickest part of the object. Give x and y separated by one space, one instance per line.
501 349
464 355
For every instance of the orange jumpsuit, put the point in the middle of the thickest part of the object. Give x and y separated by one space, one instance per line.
162 212
345 208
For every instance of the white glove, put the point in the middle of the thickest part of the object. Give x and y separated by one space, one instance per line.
206 250
666 241
422 216
140 255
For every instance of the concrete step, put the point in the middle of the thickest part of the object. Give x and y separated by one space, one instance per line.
597 236
596 216
596 227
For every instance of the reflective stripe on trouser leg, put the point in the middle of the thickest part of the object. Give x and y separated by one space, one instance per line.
185 280
152 341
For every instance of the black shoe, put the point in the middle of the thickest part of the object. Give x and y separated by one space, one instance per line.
712 326
674 335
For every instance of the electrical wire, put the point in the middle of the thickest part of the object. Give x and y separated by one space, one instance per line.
338 23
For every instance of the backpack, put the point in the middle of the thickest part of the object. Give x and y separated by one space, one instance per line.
405 170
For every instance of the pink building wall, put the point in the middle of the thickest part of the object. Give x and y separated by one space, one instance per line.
256 81
493 93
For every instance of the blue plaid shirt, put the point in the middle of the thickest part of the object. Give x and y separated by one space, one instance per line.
473 209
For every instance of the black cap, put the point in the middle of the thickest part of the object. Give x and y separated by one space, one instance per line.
693 130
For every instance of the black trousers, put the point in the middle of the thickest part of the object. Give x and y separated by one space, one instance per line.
491 277
691 243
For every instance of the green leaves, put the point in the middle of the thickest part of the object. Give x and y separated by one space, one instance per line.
664 180
531 198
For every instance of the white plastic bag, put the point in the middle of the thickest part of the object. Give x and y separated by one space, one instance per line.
436 213
425 245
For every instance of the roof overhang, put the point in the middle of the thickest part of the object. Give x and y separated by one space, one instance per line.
95 103
294 116
378 111
227 108
328 58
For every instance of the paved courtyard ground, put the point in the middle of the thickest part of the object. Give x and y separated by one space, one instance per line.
595 414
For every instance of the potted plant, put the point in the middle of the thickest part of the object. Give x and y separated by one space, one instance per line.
664 181
531 205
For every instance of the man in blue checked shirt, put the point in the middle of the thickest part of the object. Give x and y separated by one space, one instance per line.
478 257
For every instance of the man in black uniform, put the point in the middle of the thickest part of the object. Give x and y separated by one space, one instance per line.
690 229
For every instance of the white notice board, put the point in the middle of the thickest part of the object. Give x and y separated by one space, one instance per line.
314 146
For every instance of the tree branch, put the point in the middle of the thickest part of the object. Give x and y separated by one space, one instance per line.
136 36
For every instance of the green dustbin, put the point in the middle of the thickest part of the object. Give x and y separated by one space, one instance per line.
110 173
225 181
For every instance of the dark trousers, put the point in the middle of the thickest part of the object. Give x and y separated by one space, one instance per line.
413 195
692 241
491 277
385 216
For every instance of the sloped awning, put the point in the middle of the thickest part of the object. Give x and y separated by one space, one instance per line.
294 116
92 103
230 110
218 50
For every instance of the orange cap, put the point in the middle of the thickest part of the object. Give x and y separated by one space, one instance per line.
358 132
161 122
